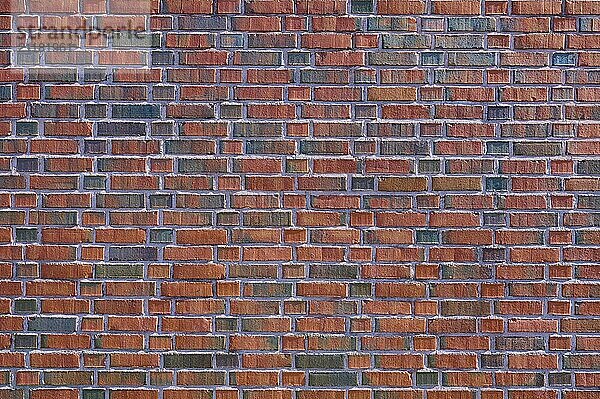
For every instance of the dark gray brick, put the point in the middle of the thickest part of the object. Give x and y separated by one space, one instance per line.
187 360
132 253
52 324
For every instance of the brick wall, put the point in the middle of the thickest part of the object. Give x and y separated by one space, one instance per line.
277 199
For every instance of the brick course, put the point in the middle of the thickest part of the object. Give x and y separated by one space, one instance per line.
277 199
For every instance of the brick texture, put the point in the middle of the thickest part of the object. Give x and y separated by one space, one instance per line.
300 199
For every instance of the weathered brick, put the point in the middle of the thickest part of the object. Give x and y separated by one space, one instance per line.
121 129
132 253
339 379
319 361
119 271
52 324
406 41
187 360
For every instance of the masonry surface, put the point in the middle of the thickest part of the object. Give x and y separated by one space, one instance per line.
300 199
